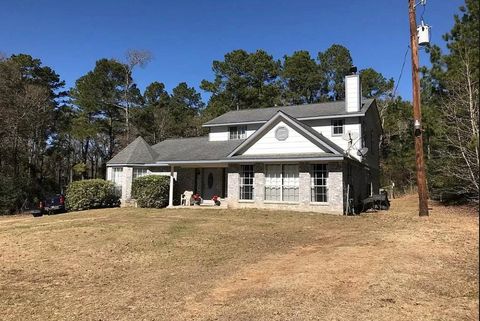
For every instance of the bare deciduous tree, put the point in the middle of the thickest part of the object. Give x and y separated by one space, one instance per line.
133 58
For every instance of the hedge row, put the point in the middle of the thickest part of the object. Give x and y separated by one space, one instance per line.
151 191
91 193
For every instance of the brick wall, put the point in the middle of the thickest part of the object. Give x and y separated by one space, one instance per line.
334 184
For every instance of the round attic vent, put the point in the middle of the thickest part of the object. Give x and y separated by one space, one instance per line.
281 133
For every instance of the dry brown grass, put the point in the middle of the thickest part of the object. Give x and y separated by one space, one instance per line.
136 264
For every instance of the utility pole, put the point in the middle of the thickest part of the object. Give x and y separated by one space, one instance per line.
417 115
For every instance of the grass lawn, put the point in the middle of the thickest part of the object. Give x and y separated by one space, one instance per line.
142 264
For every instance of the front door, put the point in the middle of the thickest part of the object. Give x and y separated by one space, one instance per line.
212 183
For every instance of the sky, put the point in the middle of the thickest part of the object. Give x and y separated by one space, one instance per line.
185 36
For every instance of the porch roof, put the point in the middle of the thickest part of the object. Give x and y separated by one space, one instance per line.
194 149
199 150
137 152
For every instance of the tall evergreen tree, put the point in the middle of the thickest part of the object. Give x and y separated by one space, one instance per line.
184 110
334 64
302 79
243 80
99 102
30 95
152 121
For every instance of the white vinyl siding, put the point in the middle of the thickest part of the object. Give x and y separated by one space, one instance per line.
319 183
352 124
296 143
222 133
281 183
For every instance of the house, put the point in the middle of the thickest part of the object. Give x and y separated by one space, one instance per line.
320 157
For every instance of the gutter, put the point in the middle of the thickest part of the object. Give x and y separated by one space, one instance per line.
254 160
232 161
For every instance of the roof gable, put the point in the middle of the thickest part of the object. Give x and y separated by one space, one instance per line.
300 139
137 152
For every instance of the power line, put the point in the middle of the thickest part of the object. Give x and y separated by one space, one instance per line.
424 4
401 72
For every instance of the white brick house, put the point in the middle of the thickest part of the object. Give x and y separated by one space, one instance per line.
319 157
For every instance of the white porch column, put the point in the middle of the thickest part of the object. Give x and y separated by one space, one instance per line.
170 192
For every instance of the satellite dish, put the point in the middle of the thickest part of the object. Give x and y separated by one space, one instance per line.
362 151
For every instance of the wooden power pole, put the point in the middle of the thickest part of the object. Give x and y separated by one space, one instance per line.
417 115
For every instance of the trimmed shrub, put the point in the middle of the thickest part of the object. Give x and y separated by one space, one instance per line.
151 191
91 193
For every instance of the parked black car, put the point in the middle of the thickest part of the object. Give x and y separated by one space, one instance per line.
50 205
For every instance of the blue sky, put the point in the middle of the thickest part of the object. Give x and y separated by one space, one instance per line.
186 36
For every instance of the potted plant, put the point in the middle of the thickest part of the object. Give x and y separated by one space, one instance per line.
197 199
216 200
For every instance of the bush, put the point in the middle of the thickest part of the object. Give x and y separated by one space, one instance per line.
151 191
91 193
13 191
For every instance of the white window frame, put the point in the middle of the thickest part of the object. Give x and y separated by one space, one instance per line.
282 186
338 124
139 172
246 181
237 132
320 181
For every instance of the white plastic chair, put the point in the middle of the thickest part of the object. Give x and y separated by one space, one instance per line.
186 198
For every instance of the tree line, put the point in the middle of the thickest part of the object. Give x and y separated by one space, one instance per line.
51 135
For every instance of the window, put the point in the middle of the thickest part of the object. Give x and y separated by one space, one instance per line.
290 183
238 132
281 183
337 126
319 183
139 172
246 182
117 179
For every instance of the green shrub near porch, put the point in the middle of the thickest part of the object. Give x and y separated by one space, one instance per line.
91 193
151 191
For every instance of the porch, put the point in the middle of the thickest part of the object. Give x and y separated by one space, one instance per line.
206 181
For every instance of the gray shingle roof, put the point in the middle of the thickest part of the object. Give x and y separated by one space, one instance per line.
137 152
193 149
336 108
201 149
